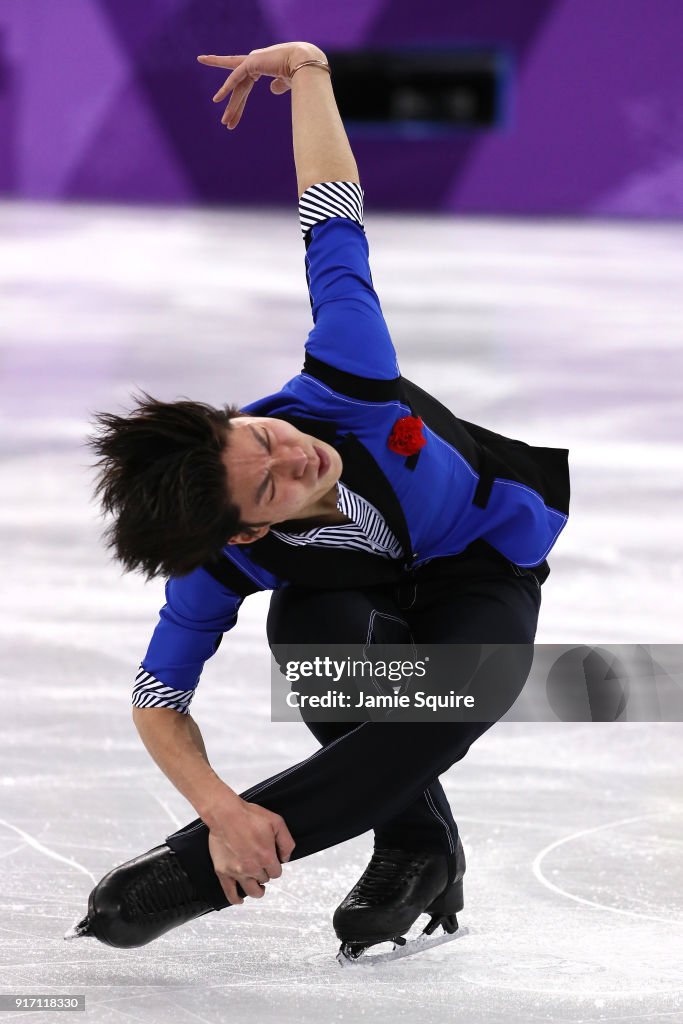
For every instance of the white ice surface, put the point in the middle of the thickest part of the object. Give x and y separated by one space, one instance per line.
559 333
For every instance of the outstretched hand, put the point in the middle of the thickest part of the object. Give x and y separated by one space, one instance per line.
274 61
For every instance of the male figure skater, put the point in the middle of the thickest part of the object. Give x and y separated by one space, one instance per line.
374 515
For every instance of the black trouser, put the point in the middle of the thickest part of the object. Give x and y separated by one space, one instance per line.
380 775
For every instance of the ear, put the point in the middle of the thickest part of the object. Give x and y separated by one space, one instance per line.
249 538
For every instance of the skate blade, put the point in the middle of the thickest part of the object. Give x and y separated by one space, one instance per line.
412 946
79 930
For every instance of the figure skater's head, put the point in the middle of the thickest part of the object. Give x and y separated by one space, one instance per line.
183 479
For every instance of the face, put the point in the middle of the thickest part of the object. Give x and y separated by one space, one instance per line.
277 473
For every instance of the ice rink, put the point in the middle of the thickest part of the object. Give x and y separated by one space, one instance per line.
561 333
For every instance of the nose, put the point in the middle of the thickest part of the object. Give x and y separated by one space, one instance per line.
292 461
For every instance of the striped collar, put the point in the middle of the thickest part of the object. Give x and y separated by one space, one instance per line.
366 529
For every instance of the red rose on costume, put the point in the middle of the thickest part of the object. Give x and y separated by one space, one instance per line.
406 437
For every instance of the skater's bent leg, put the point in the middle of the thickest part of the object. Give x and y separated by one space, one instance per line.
300 615
366 777
363 779
498 608
480 612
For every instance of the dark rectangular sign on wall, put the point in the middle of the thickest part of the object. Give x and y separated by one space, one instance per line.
442 89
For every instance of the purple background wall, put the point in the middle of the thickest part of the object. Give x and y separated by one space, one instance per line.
102 99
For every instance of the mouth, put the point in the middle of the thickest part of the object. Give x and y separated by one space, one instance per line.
323 461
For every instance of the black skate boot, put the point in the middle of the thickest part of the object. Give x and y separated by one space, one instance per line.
140 900
395 888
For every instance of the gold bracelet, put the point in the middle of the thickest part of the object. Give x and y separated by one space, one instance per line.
321 63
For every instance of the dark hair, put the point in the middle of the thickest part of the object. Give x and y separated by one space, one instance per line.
160 474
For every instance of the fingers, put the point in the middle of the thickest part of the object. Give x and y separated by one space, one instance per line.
252 887
211 60
229 886
273 868
283 840
278 86
233 111
249 885
240 82
232 80
229 83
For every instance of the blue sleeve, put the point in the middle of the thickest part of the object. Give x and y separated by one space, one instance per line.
198 611
350 333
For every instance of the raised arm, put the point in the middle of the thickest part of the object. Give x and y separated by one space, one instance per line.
321 147
350 334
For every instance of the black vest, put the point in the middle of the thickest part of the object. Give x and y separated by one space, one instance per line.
491 455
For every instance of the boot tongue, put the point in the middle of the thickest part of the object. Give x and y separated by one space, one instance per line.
387 870
397 855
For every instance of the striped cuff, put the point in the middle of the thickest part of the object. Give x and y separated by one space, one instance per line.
330 199
148 692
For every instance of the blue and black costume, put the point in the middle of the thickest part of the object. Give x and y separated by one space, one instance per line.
448 545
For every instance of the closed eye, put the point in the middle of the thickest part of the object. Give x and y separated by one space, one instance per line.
263 439
268 446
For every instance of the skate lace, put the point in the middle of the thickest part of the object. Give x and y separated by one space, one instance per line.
168 892
387 870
